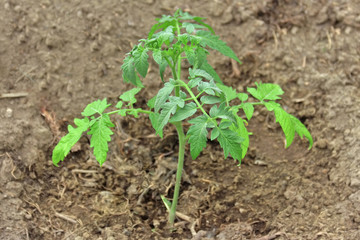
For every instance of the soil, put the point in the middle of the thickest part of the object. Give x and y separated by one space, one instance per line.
57 56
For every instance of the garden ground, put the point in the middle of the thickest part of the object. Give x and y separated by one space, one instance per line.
57 56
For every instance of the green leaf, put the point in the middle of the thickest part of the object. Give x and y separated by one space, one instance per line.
213 41
222 112
209 69
229 92
302 130
248 109
200 73
166 202
208 87
163 95
100 136
284 119
151 102
242 96
230 143
289 124
225 124
166 36
163 23
210 99
194 82
184 39
187 111
97 106
168 109
241 130
162 68
154 117
197 135
128 68
199 20
129 96
266 91
141 61
214 133
157 56
189 27
201 55
190 55
119 104
63 148
159 59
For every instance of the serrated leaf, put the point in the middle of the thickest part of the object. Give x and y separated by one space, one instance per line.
289 124
199 20
248 109
162 24
190 55
154 117
230 143
151 102
129 96
208 87
225 124
302 130
242 96
197 133
201 55
187 111
242 131
213 41
209 69
200 73
266 91
100 136
128 68
157 56
189 27
187 16
119 104
210 99
194 82
229 92
167 110
163 95
284 119
97 106
141 61
183 38
222 112
162 68
166 36
214 133
63 148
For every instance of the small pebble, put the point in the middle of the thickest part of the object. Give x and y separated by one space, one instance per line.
9 113
321 143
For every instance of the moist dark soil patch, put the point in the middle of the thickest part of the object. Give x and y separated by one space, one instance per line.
55 57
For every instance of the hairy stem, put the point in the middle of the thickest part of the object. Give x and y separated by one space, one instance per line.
182 142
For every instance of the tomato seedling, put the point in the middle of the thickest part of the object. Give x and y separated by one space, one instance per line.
172 40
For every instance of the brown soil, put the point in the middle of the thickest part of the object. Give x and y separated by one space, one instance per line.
60 55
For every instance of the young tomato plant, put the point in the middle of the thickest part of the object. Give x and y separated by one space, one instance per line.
171 41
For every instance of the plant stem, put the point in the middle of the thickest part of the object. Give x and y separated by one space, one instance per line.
182 142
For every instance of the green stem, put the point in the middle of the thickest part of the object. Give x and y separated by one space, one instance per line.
192 95
128 110
182 142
